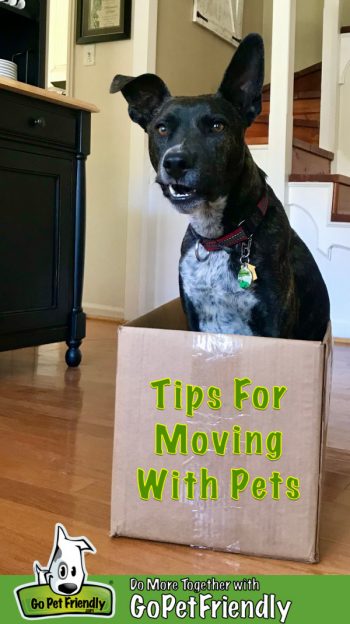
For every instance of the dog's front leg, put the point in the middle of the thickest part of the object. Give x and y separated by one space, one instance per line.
188 308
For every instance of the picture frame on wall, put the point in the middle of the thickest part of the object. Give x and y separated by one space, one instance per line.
103 20
223 17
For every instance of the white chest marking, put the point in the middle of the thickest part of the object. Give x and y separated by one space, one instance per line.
221 304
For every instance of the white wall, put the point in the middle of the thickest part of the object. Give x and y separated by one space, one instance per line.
58 26
308 33
107 177
185 48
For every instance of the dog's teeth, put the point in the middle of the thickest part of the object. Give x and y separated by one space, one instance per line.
177 195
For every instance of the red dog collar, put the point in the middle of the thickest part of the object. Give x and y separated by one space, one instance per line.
242 233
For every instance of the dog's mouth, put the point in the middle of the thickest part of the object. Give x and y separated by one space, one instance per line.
180 192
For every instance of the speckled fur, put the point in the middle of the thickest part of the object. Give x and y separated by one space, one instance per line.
221 305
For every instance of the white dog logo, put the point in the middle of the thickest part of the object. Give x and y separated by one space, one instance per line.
65 571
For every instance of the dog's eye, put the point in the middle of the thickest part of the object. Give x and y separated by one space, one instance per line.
217 126
162 130
74 571
62 570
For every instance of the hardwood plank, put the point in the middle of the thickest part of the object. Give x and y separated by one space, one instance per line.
56 438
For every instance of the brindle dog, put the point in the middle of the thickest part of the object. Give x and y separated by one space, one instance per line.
205 169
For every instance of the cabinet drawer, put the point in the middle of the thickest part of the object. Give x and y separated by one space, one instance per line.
36 121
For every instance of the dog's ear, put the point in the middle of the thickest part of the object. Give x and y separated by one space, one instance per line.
244 78
144 95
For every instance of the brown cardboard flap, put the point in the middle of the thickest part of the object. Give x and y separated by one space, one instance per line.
171 316
168 316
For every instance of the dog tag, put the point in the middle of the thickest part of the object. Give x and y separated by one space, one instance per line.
251 268
245 276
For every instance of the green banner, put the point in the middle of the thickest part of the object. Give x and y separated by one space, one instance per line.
292 599
39 601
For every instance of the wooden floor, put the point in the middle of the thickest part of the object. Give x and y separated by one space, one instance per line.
56 429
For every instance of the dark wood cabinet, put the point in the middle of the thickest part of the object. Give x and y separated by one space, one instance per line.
43 147
23 39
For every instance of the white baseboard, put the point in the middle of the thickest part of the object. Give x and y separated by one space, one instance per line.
101 311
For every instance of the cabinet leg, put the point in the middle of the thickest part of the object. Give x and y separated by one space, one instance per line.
77 321
75 336
73 353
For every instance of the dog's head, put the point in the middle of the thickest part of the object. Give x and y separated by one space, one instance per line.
196 144
66 572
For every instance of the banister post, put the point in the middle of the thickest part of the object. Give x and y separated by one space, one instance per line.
330 71
281 96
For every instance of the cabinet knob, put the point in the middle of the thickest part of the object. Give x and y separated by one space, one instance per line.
39 122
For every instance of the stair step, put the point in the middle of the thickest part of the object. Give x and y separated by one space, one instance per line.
298 95
307 79
304 129
306 115
312 115
303 145
306 158
341 192
304 106
314 149
307 123
256 140
337 178
309 134
310 162
311 95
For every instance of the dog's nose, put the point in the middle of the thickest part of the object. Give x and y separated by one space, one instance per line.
176 163
67 588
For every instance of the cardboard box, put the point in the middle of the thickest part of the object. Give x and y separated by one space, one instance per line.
266 518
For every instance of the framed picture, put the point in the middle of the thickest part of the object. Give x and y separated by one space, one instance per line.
222 17
103 20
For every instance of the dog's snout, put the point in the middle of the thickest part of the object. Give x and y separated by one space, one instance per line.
176 164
